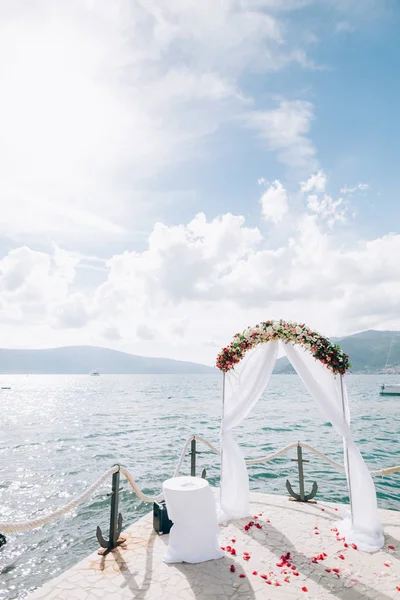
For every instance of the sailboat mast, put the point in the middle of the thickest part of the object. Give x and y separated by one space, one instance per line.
390 348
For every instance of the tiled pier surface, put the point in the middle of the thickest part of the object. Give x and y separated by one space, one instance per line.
136 569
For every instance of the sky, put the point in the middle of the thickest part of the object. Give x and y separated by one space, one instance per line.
174 171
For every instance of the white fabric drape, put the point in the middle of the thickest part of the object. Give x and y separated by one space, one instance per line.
244 386
325 388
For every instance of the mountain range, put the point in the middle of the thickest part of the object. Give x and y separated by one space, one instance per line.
84 359
368 353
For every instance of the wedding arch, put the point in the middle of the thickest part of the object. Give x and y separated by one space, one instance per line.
247 365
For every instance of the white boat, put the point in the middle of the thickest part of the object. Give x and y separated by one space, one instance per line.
390 390
94 373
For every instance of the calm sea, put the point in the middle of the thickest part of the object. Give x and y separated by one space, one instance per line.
59 433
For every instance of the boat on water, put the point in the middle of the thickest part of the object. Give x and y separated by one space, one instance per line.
390 390
94 373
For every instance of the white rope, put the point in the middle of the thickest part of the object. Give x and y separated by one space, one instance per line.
32 524
126 473
206 443
182 456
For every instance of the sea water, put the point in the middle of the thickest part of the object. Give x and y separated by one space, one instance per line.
59 433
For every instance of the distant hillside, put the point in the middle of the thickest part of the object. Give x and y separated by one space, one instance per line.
83 359
368 351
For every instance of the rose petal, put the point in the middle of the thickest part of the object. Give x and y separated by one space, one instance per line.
322 509
255 573
316 532
277 584
386 564
354 546
295 573
242 575
328 570
233 541
391 547
345 545
264 576
304 589
233 569
341 556
336 570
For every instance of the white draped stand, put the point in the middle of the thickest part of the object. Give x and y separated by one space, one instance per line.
243 387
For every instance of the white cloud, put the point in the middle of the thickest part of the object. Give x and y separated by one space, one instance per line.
274 202
194 285
285 131
361 187
317 183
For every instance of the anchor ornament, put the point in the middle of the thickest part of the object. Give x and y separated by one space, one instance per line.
115 521
301 497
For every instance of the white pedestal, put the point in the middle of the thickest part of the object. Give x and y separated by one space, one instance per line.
194 536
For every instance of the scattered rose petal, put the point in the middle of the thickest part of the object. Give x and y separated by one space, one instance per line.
341 557
316 532
242 575
346 545
328 570
233 551
232 568
260 514
295 573
246 527
336 570
277 583
222 548
246 557
287 580
255 573
391 548
264 576
233 541
354 546
304 589
322 509
387 564
336 509
228 548
268 581
398 588
293 568
268 521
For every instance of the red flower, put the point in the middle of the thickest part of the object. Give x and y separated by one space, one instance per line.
232 568
242 575
304 589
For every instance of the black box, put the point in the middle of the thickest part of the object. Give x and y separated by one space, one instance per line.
161 522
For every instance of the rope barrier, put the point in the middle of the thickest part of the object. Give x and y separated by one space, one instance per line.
33 523
39 522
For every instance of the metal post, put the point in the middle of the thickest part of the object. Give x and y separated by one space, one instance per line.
301 474
193 457
346 450
115 520
114 533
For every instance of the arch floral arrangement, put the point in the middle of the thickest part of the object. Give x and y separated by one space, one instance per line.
320 347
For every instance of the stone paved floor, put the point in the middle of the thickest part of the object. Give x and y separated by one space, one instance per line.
136 570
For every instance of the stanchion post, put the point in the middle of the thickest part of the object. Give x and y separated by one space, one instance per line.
193 457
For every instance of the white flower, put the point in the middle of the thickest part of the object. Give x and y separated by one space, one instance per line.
298 329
